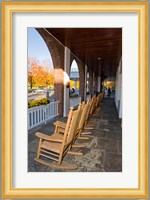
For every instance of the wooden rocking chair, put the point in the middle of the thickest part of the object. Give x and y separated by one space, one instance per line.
98 103
82 117
94 110
82 123
56 146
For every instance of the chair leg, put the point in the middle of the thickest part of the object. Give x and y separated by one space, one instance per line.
55 131
39 148
60 158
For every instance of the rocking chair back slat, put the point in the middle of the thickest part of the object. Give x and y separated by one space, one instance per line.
74 125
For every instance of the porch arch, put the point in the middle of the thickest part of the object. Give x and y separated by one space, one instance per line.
57 53
81 68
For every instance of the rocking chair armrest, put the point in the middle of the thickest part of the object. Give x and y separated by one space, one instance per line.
60 124
53 138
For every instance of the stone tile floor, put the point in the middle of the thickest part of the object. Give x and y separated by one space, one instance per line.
103 151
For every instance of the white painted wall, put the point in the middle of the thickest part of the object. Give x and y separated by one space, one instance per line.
120 110
118 89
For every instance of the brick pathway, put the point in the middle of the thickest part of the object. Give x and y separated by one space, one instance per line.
103 152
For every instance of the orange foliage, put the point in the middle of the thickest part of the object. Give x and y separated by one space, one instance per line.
38 76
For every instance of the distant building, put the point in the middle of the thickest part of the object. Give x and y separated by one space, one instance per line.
74 78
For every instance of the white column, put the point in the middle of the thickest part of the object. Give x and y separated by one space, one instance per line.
85 83
66 75
94 83
98 84
93 79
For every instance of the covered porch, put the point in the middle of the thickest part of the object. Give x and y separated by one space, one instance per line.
97 52
103 151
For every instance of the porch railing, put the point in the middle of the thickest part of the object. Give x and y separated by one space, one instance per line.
41 114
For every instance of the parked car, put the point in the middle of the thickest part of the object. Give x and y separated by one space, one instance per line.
40 91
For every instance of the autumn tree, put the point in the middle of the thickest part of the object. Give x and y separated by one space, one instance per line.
32 65
38 76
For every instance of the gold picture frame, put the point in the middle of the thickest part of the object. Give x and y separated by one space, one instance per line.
8 8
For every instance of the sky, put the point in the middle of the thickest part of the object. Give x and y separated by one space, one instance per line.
38 49
74 65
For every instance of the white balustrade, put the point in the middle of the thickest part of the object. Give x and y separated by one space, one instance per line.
41 114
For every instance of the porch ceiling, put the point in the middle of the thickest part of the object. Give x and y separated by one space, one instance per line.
90 44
